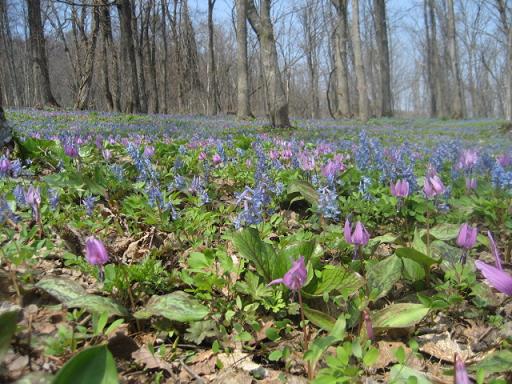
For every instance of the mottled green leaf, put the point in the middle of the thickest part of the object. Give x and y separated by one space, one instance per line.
176 306
320 319
62 289
400 315
384 274
417 256
305 190
97 304
336 278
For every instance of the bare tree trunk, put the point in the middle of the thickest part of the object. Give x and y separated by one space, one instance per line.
341 60
124 8
436 64
358 56
113 92
262 25
165 57
212 102
84 87
150 55
5 30
310 49
243 106
502 8
39 59
458 97
381 33
5 129
429 60
138 45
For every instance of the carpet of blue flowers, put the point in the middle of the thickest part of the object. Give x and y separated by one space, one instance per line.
189 249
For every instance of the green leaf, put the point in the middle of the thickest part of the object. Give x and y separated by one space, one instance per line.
62 289
445 251
371 356
387 238
417 256
317 349
384 274
8 321
336 278
445 231
176 306
200 330
305 190
400 315
262 255
97 304
401 373
320 319
338 330
413 271
496 362
93 365
418 243
275 355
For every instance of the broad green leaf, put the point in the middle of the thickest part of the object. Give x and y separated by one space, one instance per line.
418 243
387 238
496 362
444 251
413 271
262 255
338 330
93 365
317 349
384 274
400 315
320 319
176 306
371 356
97 304
336 278
445 231
8 321
304 189
62 289
400 374
420 258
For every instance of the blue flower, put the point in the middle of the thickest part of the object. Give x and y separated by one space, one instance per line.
328 203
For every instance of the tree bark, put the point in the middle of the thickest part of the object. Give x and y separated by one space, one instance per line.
132 104
43 92
84 86
212 102
276 97
362 87
150 55
310 49
340 51
437 72
5 129
243 105
507 29
381 32
458 96
113 91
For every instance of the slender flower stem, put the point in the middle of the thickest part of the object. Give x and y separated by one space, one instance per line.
428 231
306 335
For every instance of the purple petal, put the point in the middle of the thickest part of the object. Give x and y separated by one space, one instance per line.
347 232
461 375
495 251
276 281
499 279
461 238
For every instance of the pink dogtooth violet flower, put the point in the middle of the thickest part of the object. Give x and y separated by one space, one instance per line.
466 238
495 276
359 236
400 188
461 375
296 276
433 186
216 159
96 254
149 151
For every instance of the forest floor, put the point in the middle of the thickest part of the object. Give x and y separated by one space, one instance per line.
198 215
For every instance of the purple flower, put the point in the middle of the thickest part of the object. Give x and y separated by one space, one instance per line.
499 279
470 183
359 236
433 186
33 198
504 160
95 251
468 159
467 236
217 159
400 188
296 276
107 154
202 156
5 165
495 251
461 375
71 150
149 151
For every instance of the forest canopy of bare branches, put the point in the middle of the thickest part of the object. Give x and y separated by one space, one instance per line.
305 58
